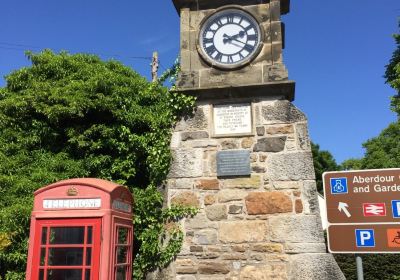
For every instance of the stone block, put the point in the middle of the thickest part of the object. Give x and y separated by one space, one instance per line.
201 144
296 248
260 130
301 229
189 79
291 166
262 272
188 199
197 121
247 143
298 206
277 52
265 55
258 169
183 277
275 10
252 182
258 203
285 185
229 145
185 266
235 209
243 231
210 199
314 266
216 212
276 31
217 78
267 247
196 249
282 111
207 184
233 256
214 267
205 237
186 163
239 248
275 73
280 129
231 195
261 12
310 197
180 183
303 140
270 144
199 221
193 135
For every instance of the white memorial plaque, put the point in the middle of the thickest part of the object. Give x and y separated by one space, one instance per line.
232 119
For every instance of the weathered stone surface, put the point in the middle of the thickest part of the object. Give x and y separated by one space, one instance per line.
186 199
213 267
260 130
233 256
245 76
180 183
310 197
205 237
270 144
198 121
193 135
263 157
267 247
280 129
207 184
239 248
183 277
188 79
186 163
196 249
258 203
298 206
276 72
247 143
314 266
231 195
186 266
235 209
253 182
282 111
303 140
296 248
201 144
258 169
229 145
263 272
209 199
199 221
216 212
244 231
292 166
296 229
284 185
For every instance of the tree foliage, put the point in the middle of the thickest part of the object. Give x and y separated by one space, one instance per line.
323 161
72 116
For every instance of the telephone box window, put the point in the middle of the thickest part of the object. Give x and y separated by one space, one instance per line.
123 247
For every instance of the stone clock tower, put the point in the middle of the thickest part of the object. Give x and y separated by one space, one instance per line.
243 158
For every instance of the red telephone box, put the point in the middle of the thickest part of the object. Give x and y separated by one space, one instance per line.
81 229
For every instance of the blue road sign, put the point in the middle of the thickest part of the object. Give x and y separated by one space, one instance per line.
396 208
365 238
339 185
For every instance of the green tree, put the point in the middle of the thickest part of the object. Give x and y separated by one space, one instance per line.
323 161
392 74
76 116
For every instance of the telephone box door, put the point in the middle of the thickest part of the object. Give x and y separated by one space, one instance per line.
67 249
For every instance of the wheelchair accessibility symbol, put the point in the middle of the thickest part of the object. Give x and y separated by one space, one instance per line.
393 237
339 186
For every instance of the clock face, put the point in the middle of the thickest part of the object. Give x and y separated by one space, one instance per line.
229 38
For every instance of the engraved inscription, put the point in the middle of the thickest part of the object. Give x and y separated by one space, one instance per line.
232 119
233 163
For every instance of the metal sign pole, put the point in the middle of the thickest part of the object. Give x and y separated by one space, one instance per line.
360 271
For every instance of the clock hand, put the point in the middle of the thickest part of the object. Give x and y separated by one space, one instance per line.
233 37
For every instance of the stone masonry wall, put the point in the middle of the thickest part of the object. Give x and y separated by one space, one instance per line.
264 226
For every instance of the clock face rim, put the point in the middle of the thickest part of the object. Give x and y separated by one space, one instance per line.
242 63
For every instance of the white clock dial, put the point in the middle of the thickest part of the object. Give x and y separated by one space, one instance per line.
230 38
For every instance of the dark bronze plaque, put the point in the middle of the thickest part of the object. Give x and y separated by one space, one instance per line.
233 163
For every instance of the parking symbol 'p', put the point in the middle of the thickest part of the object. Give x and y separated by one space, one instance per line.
365 238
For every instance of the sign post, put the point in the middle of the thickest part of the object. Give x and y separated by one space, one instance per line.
363 211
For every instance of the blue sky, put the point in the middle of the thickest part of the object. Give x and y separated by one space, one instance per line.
335 51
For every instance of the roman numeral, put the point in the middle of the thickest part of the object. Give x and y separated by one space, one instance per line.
211 49
218 22
241 56
230 18
208 40
248 28
252 37
218 56
230 59
248 48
